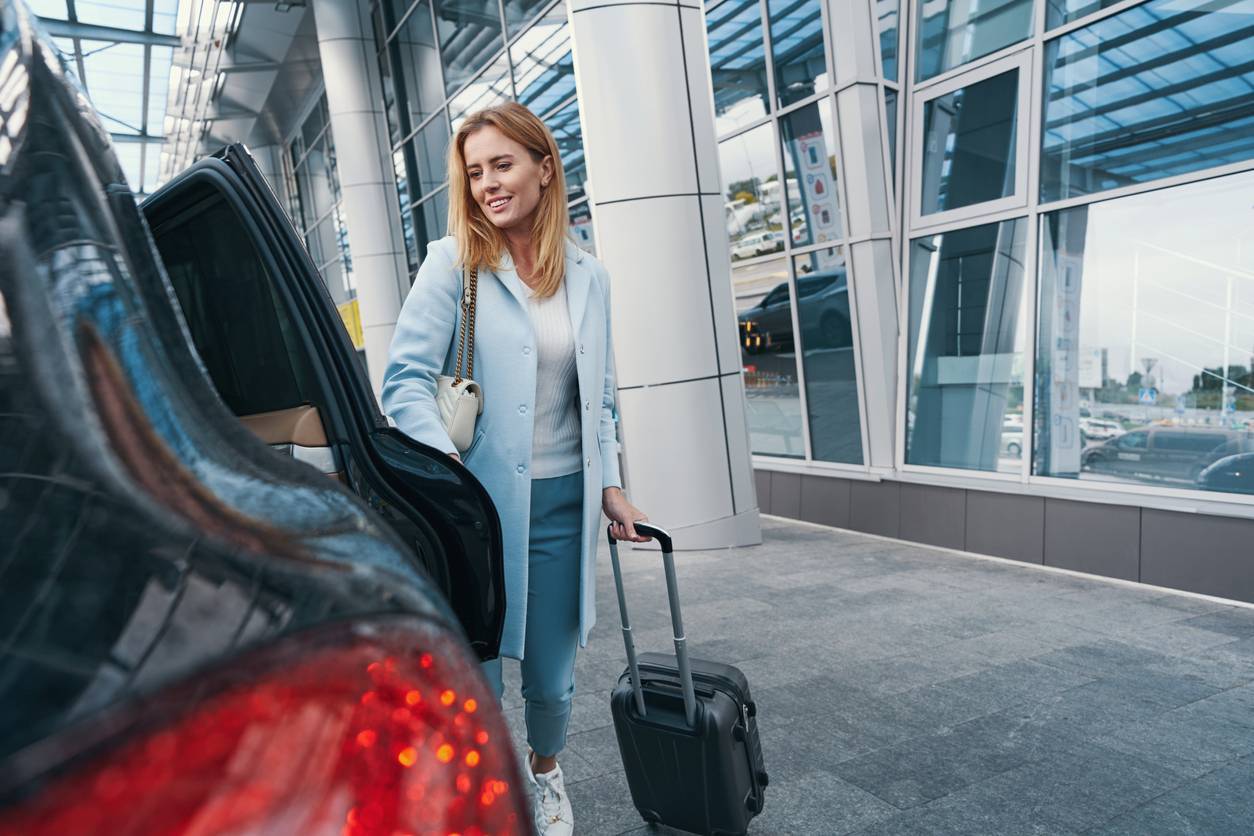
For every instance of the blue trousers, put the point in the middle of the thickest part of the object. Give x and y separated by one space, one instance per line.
552 637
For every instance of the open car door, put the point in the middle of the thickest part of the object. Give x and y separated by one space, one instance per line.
274 346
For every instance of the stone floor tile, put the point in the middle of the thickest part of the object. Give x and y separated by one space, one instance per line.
1219 803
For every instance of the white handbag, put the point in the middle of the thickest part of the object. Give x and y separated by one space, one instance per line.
460 399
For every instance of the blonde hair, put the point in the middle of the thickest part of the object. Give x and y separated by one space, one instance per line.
479 241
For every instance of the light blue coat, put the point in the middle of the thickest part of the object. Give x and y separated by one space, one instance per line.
505 366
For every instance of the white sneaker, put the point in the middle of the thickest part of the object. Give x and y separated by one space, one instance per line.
550 803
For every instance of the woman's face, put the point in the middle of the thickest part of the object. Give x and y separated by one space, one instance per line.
504 180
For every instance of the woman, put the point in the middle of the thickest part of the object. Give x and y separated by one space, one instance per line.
545 445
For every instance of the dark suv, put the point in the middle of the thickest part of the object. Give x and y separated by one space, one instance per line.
199 633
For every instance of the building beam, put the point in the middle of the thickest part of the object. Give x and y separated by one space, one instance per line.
128 139
91 32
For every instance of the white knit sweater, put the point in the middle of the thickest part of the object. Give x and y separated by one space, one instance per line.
556 445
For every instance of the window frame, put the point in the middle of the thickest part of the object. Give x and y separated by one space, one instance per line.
920 223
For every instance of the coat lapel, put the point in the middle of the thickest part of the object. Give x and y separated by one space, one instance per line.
577 282
508 276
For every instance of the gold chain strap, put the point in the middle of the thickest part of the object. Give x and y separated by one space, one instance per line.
468 329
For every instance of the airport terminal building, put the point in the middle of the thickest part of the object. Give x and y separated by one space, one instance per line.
990 264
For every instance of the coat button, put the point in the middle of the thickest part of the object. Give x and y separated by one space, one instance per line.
526 349
522 410
587 462
581 348
587 405
520 468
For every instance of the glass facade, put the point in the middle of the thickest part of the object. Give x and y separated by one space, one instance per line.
779 155
314 189
439 63
1135 295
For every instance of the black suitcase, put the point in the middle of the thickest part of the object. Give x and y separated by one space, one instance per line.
686 728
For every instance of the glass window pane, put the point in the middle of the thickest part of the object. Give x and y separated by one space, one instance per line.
810 175
954 32
493 87
518 12
737 63
751 187
434 220
965 362
470 35
1157 90
313 181
890 113
323 241
886 12
164 16
581 227
769 358
430 147
312 127
565 127
797 47
544 71
827 352
1146 351
415 67
969 144
1058 12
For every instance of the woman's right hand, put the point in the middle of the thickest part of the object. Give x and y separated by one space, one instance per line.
457 457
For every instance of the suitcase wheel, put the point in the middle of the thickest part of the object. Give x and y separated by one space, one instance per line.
763 778
754 805
738 734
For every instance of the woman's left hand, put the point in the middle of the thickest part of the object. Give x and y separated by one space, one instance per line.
623 516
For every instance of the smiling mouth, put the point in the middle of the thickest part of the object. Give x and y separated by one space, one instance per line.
498 203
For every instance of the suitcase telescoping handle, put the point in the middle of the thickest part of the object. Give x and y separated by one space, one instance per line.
677 621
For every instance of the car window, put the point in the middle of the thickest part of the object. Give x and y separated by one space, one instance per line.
778 296
1188 442
1134 441
240 328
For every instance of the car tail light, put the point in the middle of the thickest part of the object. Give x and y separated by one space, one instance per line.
354 731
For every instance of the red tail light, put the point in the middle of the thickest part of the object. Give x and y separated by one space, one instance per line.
360 732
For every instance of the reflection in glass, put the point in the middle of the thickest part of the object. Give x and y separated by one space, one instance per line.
886 12
737 63
544 71
954 32
890 113
581 227
433 220
414 67
492 87
518 12
1160 89
751 187
430 145
797 47
969 144
965 361
314 123
769 357
1058 12
810 175
566 133
470 35
1145 362
827 352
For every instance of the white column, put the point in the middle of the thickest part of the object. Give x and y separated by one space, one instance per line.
355 100
643 76
868 209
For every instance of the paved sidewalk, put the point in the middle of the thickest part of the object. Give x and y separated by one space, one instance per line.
902 689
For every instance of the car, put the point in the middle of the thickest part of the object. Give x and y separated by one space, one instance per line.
1012 441
758 243
201 631
1096 429
1234 474
822 309
1164 452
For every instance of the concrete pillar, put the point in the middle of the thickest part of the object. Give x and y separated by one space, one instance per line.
355 101
873 274
648 131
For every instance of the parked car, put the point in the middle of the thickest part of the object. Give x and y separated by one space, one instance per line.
1234 474
199 633
758 243
1012 441
822 309
1097 429
1166 452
